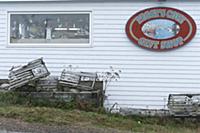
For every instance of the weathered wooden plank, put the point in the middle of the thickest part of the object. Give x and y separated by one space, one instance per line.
34 70
184 104
47 84
69 78
90 97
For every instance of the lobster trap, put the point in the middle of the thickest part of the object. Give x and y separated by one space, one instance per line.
83 81
22 75
184 105
82 87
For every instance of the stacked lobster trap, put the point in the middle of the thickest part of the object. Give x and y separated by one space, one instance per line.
184 105
84 81
22 75
84 84
69 86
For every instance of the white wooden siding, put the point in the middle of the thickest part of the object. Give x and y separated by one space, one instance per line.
147 77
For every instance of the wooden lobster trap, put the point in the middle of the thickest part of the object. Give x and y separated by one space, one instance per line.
83 81
184 105
82 87
20 76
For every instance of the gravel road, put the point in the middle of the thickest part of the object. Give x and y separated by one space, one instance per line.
18 126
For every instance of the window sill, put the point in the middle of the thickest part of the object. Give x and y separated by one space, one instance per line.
31 45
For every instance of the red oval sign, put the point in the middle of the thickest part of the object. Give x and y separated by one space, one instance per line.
160 28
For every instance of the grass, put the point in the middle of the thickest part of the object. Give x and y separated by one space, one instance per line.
57 116
13 106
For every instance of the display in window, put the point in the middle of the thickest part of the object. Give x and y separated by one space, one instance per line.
49 28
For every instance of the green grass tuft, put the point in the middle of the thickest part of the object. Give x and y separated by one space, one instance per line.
13 105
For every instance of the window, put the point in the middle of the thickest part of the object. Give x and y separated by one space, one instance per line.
50 28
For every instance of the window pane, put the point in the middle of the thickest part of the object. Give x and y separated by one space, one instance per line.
49 28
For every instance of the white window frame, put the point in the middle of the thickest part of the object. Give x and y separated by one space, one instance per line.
54 45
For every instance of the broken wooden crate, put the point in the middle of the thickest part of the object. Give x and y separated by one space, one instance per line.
47 84
83 81
94 98
33 71
82 87
184 105
47 89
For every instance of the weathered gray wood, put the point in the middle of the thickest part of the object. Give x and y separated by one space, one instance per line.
74 79
25 74
184 104
49 83
69 78
86 76
29 66
92 97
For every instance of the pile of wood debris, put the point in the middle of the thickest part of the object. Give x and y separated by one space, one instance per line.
35 79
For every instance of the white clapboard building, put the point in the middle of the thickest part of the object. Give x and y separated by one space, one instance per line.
91 34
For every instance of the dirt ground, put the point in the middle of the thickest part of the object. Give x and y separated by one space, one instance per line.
20 126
